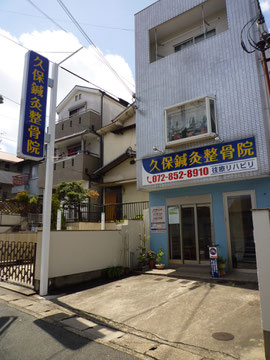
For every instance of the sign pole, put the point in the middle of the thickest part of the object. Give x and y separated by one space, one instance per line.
47 198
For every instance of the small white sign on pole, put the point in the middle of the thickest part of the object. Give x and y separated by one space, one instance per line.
103 221
59 218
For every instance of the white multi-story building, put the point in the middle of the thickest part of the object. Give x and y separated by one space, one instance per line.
202 128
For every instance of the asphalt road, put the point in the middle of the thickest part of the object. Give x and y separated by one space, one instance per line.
23 337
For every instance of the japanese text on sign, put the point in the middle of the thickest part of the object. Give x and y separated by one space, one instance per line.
33 108
213 160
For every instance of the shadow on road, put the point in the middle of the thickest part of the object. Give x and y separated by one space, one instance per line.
68 339
6 322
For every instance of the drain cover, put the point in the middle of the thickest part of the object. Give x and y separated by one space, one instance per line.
223 336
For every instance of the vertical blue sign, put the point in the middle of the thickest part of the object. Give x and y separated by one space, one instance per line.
33 107
213 262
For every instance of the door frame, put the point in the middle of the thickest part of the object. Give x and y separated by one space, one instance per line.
252 194
190 201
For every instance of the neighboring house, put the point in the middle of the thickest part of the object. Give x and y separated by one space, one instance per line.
202 129
10 166
119 169
27 179
78 147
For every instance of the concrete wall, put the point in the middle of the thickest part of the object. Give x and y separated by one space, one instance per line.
117 144
131 194
124 171
261 222
79 252
10 219
22 237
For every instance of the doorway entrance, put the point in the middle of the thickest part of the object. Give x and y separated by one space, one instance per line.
190 232
241 246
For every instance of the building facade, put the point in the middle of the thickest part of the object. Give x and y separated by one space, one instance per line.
78 147
119 169
202 129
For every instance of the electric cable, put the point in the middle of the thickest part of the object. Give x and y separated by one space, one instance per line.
47 16
69 71
10 99
100 54
89 82
66 21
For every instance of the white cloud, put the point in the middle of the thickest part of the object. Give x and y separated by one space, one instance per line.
85 63
265 5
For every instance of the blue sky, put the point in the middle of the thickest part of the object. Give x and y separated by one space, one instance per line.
109 24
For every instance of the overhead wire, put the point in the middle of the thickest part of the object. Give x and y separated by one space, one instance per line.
4 96
46 15
100 54
82 22
69 71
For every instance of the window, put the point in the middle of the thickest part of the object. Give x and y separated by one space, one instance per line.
76 97
188 28
191 120
80 96
76 110
62 126
70 123
72 162
80 120
195 40
54 166
183 45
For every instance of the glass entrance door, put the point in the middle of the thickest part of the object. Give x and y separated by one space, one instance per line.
189 238
190 235
241 231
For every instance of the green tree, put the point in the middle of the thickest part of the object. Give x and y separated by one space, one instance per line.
71 193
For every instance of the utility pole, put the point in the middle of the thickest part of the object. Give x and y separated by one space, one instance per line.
47 198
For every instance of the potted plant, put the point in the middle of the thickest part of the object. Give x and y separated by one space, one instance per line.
151 255
159 259
221 265
142 258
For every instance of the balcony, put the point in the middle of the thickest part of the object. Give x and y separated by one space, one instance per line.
87 120
72 168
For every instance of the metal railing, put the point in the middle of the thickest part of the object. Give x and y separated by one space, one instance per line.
113 212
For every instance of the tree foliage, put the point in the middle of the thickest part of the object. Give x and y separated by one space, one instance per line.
71 193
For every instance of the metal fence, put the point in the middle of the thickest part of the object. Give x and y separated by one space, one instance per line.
17 261
113 212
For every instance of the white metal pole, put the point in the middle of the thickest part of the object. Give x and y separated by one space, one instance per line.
47 197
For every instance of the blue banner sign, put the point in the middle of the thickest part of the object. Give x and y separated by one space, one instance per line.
33 107
212 160
214 268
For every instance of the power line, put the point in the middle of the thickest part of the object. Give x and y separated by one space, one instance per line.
66 21
89 82
69 71
10 99
47 16
15 42
102 57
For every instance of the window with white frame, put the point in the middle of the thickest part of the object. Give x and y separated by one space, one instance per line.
191 120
